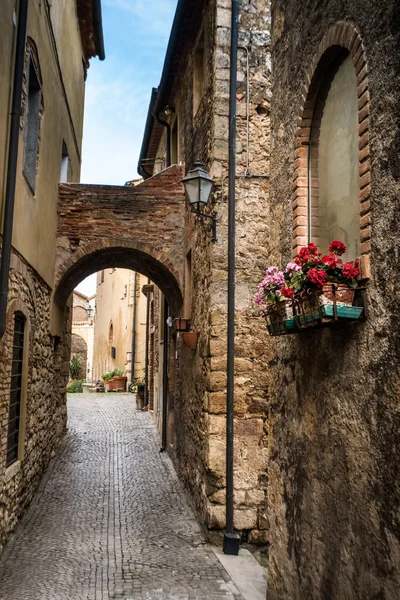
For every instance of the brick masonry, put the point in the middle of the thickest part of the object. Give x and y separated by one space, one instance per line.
138 228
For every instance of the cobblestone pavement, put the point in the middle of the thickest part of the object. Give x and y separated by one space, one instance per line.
111 519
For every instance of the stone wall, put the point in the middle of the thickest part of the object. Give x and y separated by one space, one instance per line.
43 418
200 405
333 479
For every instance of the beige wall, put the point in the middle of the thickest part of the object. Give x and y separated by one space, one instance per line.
62 118
114 304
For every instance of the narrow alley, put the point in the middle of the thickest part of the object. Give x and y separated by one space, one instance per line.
111 519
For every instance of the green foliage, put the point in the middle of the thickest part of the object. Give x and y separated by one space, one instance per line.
107 376
75 387
111 374
75 367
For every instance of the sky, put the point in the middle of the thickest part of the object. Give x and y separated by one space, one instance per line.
118 91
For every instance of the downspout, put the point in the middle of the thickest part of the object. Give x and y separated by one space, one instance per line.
165 380
146 360
133 347
168 128
12 162
231 540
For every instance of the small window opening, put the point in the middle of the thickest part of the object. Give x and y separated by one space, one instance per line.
174 143
14 414
64 164
111 334
198 74
187 301
32 126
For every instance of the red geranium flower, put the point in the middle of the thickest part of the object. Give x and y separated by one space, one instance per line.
337 247
350 271
312 248
317 277
331 261
287 292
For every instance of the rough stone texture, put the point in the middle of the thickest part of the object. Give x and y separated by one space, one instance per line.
200 445
45 417
333 480
111 519
79 349
138 228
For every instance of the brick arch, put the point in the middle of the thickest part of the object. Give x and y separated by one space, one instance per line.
104 254
339 37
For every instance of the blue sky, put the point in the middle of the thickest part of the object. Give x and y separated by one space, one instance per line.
118 91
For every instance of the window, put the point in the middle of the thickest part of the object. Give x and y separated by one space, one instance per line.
14 414
198 73
110 334
333 191
174 143
187 301
64 164
32 125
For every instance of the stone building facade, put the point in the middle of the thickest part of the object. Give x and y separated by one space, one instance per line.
60 40
193 98
333 475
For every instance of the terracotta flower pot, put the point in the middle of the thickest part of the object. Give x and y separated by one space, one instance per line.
190 339
119 383
342 292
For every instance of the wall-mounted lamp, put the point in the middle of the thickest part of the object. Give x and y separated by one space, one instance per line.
90 312
198 185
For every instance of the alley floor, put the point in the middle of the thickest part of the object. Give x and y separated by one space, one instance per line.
111 519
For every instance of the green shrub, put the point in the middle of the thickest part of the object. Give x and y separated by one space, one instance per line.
75 367
75 387
107 376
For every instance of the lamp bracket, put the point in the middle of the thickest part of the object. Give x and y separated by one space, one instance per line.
213 218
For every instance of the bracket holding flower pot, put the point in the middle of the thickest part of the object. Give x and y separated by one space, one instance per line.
181 324
190 339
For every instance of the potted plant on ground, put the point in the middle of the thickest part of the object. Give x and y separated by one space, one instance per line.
119 381
106 377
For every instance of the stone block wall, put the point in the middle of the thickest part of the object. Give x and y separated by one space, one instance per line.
200 405
333 478
44 412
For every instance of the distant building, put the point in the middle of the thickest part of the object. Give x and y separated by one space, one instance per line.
82 335
120 317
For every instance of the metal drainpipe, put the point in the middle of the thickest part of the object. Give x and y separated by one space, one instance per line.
165 379
168 128
146 360
133 347
12 162
231 540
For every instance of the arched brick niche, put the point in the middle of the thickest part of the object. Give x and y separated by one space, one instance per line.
340 40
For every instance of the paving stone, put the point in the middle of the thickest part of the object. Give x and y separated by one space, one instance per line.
111 519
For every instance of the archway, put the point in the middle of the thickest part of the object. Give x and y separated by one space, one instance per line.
92 259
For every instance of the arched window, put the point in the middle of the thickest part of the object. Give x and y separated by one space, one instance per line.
110 334
333 168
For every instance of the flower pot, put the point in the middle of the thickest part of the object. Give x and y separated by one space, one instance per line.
342 292
277 315
119 383
190 339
